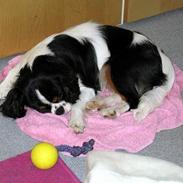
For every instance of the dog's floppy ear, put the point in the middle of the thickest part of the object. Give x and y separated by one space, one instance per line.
71 90
14 103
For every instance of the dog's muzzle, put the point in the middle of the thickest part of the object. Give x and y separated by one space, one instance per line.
60 108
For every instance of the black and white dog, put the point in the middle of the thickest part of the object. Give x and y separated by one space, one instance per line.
62 73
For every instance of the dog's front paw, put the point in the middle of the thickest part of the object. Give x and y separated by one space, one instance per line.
77 125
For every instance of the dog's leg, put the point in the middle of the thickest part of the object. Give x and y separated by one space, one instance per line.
102 102
77 121
153 98
110 106
115 111
148 102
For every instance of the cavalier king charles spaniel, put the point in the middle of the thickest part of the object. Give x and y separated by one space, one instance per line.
65 71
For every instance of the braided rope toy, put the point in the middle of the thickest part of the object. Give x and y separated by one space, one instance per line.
77 150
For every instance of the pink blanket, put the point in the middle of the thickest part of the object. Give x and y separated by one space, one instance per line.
109 134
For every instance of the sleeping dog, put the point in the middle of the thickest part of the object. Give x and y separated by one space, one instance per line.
65 71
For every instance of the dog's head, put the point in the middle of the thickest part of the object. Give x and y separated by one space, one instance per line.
53 94
45 93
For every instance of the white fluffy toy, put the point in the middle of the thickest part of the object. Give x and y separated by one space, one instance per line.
119 167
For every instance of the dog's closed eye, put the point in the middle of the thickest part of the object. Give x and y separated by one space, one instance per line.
42 107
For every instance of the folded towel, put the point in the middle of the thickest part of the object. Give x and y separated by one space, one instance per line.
119 167
109 134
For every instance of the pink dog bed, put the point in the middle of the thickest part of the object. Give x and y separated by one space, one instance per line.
109 134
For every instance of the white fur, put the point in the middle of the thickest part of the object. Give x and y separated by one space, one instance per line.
138 38
42 98
110 106
90 30
116 110
154 98
77 121
65 105
119 167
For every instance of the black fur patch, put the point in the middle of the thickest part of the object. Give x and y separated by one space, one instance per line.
116 38
54 76
135 69
80 56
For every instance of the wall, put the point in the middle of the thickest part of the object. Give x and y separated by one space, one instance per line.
23 23
138 9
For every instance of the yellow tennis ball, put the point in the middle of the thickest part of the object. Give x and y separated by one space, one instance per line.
44 155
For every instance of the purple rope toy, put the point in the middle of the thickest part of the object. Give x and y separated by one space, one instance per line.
77 150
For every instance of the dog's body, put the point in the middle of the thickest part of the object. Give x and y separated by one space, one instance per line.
62 72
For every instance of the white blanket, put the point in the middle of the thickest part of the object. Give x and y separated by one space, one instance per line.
120 167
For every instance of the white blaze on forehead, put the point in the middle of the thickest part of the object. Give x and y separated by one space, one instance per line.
54 106
42 98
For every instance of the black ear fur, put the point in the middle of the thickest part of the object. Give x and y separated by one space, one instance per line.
14 103
71 89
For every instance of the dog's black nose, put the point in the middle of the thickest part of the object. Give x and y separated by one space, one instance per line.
60 111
